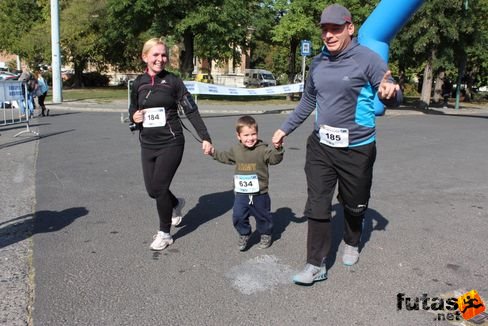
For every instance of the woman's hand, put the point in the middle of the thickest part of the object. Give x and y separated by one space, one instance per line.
207 148
138 116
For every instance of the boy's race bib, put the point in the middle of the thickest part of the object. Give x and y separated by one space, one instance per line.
246 184
334 137
154 117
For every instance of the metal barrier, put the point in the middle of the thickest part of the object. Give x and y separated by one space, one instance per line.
14 103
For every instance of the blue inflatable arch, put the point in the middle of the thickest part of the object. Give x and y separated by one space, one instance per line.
382 25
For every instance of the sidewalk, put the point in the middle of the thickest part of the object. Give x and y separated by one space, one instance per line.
17 177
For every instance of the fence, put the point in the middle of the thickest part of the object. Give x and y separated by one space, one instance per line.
14 105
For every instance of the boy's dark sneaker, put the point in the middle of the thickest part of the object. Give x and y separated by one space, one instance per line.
265 242
243 239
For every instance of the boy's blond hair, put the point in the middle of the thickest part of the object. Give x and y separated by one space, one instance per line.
246 121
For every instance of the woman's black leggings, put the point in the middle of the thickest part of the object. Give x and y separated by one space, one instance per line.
40 100
159 167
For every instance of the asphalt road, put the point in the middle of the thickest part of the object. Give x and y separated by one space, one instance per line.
425 231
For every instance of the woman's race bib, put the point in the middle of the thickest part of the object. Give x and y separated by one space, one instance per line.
334 137
154 117
246 184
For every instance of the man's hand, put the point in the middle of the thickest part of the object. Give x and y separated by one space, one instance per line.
278 138
387 89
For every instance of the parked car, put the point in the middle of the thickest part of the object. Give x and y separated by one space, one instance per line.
5 75
259 78
204 78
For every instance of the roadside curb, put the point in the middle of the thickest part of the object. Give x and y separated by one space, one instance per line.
214 109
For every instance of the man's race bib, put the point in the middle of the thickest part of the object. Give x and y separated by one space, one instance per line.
247 184
334 137
154 117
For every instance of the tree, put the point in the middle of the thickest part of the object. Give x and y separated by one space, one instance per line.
131 23
194 25
219 37
438 39
21 31
83 23
297 21
472 54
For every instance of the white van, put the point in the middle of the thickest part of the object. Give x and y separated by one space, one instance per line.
259 78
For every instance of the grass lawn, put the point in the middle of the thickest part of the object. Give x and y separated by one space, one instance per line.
99 94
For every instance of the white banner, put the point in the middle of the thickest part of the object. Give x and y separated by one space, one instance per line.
10 90
212 89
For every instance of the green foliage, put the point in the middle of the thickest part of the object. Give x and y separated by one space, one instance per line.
433 27
477 45
89 79
411 89
102 32
299 20
17 21
444 32
129 25
217 37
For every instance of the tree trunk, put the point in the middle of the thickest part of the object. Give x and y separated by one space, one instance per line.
209 60
426 85
186 58
292 59
438 86
78 65
469 87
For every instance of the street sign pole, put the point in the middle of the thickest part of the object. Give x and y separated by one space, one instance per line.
306 50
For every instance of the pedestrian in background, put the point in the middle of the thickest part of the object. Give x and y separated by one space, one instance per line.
446 91
42 89
29 84
342 82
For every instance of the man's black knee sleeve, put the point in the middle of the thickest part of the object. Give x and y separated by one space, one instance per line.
357 210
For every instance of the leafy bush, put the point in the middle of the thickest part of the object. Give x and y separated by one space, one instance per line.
480 96
95 79
410 89
90 79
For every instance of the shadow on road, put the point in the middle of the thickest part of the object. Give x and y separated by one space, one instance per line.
23 227
282 218
32 138
208 207
373 221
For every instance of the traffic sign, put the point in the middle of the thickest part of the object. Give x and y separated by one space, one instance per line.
306 48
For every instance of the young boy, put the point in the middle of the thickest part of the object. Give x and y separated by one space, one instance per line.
251 158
